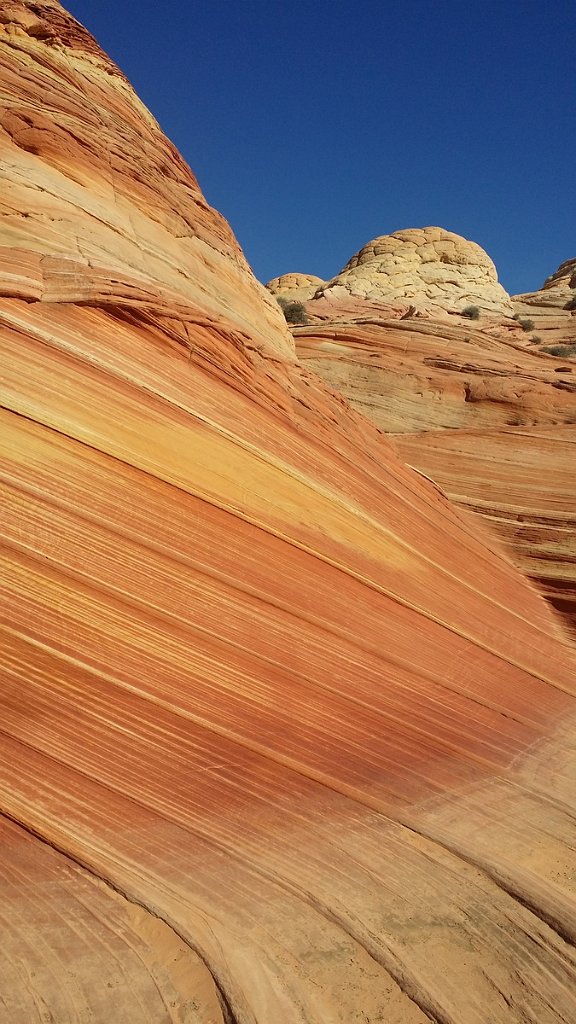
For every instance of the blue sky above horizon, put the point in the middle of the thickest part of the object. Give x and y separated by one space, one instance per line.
317 125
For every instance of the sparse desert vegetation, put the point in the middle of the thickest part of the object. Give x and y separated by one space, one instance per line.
294 312
566 351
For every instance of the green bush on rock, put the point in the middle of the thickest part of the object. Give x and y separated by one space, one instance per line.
294 312
561 350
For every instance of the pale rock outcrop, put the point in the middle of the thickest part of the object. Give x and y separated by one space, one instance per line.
559 288
552 308
282 737
297 287
427 267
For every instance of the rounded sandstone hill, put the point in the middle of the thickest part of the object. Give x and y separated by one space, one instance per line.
427 266
300 287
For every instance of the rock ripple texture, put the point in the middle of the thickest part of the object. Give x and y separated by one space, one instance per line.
429 267
282 738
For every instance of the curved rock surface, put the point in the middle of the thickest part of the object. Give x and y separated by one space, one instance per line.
552 309
521 483
419 375
97 207
282 738
487 416
299 287
559 288
427 267
563 278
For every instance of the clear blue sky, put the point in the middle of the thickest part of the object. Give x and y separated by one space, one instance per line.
315 125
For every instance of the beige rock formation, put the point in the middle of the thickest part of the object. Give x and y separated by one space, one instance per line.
299 287
427 267
561 285
551 308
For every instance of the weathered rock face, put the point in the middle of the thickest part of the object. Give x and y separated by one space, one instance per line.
563 278
552 309
299 287
520 482
97 206
481 411
559 288
427 267
298 737
418 375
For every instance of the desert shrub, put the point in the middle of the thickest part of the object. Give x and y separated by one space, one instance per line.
294 312
561 350
535 339
526 325
571 304
472 312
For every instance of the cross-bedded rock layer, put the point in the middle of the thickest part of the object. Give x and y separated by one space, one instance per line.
552 309
281 736
477 408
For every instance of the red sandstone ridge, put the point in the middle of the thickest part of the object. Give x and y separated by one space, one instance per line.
99 208
282 737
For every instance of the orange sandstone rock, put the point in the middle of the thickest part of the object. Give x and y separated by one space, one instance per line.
97 206
486 416
282 737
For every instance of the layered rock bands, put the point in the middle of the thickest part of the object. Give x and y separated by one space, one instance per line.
283 737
